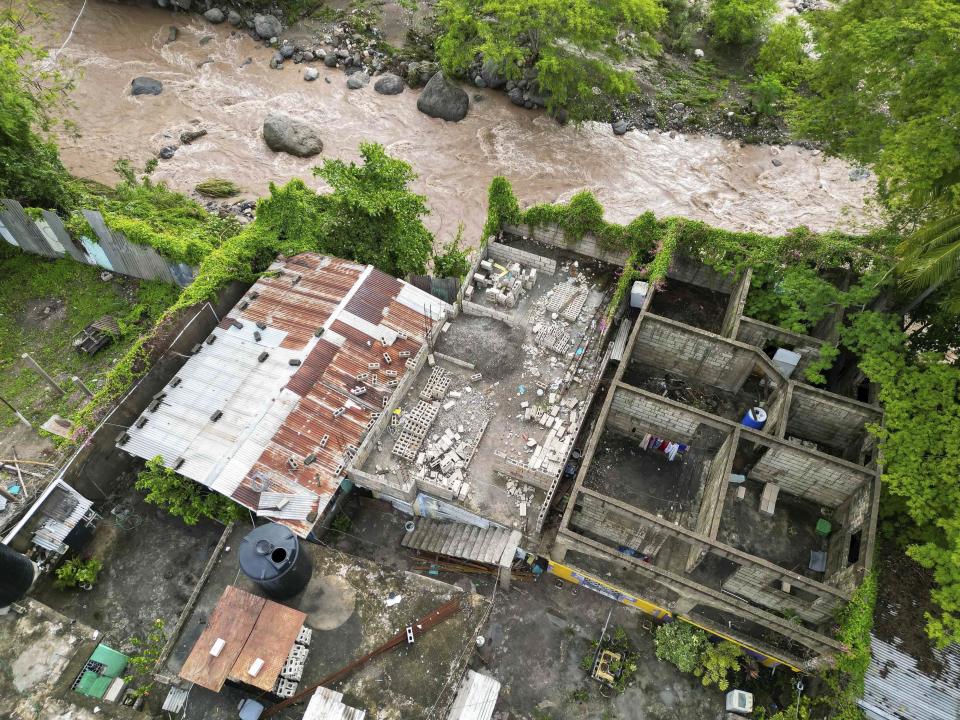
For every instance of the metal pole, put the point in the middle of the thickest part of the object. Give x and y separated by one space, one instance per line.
16 464
82 386
43 373
16 412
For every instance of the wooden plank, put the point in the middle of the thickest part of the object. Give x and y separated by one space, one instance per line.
270 640
232 619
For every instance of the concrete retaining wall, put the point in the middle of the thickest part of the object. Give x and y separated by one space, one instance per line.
635 414
506 255
690 270
472 308
553 236
523 473
693 353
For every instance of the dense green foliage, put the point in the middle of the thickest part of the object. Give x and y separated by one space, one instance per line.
372 216
930 261
184 498
886 91
30 167
740 22
454 260
151 214
217 188
76 572
844 681
717 661
572 45
920 444
782 55
680 644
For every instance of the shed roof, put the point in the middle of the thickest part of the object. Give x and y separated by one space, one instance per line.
299 368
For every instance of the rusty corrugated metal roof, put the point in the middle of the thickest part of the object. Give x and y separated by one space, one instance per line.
347 332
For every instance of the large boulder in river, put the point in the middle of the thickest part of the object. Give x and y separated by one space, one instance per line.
283 133
144 85
266 26
215 16
357 80
389 84
441 98
491 75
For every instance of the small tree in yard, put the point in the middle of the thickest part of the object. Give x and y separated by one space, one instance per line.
681 644
182 497
455 260
717 661
77 572
740 22
143 662
372 216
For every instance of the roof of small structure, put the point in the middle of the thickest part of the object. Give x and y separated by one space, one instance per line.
299 370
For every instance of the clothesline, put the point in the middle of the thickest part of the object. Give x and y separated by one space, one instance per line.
667 447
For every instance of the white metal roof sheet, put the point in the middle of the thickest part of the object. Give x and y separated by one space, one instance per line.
476 699
896 689
328 705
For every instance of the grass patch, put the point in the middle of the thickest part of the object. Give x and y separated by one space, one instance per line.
43 304
217 188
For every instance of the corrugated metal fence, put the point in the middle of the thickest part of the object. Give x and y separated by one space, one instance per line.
109 250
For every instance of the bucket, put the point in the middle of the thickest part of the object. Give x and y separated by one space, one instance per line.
754 418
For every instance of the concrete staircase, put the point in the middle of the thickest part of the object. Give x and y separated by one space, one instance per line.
493 546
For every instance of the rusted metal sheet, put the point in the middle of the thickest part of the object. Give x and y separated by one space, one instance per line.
281 400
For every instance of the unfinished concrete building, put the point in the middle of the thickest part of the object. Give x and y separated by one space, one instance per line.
755 527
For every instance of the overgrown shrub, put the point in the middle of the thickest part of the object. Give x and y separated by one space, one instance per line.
454 261
717 661
217 188
76 572
740 22
183 498
680 644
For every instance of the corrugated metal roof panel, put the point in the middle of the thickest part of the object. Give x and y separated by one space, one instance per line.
275 414
895 689
328 705
476 699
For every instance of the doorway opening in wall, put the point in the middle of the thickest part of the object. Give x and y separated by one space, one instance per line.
854 553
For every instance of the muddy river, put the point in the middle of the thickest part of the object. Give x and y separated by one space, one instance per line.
706 177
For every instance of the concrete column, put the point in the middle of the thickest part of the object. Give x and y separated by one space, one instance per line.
505 577
43 373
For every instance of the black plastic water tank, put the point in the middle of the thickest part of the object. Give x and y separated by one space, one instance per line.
17 573
272 557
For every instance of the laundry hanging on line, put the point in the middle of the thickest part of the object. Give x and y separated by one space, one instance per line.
667 447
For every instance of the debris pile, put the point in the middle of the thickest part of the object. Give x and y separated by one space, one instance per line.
502 286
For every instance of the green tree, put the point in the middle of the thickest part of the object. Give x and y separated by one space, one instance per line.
76 572
681 23
740 22
886 91
573 45
454 261
930 260
920 445
143 662
30 167
681 644
717 661
372 216
782 54
184 498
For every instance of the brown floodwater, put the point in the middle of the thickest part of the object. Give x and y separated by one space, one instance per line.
705 177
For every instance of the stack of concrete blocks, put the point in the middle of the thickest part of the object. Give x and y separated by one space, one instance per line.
440 468
503 286
292 670
768 499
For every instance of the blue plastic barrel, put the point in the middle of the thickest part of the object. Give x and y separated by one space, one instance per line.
754 418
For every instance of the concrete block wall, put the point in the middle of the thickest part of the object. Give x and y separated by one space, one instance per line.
849 519
830 419
713 490
634 414
617 527
761 334
518 471
762 586
690 270
553 236
385 485
472 308
693 353
806 475
735 305
506 255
